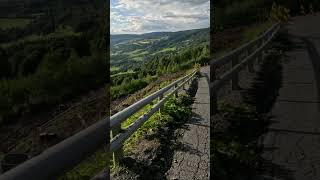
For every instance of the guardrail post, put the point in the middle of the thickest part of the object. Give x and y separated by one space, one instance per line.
235 79
250 64
176 93
213 95
159 99
260 57
118 154
213 103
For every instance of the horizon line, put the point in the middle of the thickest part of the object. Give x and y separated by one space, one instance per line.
157 32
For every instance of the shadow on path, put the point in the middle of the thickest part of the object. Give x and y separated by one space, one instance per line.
238 148
155 167
315 58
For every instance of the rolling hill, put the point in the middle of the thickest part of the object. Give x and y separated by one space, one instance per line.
127 50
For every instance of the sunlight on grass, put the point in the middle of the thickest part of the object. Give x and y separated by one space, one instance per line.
165 50
89 167
95 163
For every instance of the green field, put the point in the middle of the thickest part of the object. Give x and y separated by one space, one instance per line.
124 73
138 54
114 68
8 23
165 50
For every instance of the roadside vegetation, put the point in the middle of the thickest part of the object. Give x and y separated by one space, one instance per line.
234 13
237 128
52 54
236 137
151 148
48 60
171 60
153 134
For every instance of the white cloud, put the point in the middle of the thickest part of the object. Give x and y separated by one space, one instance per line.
141 16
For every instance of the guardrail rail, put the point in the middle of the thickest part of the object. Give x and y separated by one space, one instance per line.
56 159
119 136
253 50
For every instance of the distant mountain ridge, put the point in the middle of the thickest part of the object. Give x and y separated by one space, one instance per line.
117 38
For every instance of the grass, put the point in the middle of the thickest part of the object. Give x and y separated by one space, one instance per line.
148 127
174 114
255 31
89 167
234 145
168 49
165 50
137 52
114 68
8 23
235 150
247 35
95 163
137 59
156 140
123 73
2 155
151 126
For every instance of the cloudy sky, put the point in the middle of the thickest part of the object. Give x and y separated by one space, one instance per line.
142 16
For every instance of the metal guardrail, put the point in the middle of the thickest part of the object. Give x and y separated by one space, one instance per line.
119 136
253 50
69 152
61 156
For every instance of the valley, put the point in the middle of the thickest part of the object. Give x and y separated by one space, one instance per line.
127 51
137 60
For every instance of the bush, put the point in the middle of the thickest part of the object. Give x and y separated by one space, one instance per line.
127 88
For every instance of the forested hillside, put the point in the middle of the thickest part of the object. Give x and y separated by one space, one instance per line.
231 13
138 59
50 51
129 49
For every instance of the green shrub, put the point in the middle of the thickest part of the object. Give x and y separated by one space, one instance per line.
127 88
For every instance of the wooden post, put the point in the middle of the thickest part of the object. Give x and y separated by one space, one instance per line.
118 154
235 79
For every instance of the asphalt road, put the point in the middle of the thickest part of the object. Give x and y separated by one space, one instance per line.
193 161
292 144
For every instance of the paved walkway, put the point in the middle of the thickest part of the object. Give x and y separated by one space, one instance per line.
193 161
293 142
